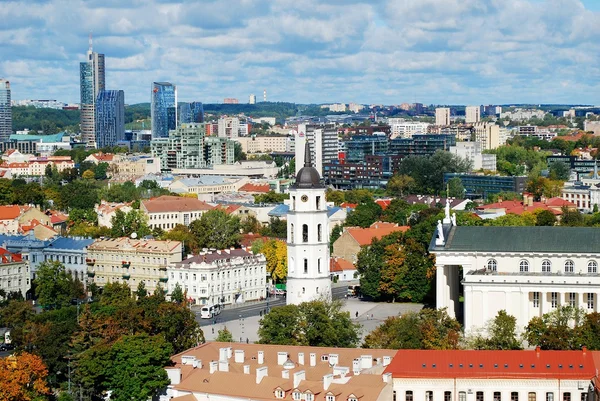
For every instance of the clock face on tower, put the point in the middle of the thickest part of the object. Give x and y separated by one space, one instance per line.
304 198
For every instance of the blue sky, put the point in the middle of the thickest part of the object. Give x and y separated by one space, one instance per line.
310 51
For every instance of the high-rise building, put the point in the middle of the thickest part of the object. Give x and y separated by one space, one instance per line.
488 134
91 82
163 112
308 239
472 114
5 111
110 118
252 99
324 144
191 113
232 127
442 116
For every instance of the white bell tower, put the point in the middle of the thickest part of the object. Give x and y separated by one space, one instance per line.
308 237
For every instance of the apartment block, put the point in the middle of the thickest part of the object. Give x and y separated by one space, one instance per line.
131 261
472 114
165 212
488 134
442 116
265 144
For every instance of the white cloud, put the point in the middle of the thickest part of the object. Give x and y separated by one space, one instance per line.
384 51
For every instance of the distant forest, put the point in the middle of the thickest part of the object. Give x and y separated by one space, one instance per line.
51 121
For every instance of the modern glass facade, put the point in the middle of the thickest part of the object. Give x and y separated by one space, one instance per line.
163 109
191 113
480 186
91 82
5 111
360 146
110 118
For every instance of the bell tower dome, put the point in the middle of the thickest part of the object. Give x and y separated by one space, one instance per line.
308 237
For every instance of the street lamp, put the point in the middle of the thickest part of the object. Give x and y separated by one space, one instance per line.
242 328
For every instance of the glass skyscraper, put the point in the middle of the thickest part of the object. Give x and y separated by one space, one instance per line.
110 118
191 113
5 111
163 109
91 82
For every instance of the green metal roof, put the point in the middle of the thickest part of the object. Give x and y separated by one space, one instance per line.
521 239
45 138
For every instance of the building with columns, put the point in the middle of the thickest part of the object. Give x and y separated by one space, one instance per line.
308 237
527 271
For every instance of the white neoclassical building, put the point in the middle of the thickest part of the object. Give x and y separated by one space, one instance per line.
308 237
527 271
220 277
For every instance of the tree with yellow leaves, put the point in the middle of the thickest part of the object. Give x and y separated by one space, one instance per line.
23 378
275 252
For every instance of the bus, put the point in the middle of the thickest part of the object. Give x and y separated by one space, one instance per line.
209 311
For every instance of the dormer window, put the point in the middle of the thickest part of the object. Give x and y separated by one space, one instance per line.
309 397
352 398
324 358
279 393
330 397
296 395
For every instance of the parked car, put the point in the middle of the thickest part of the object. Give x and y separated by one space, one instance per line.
6 347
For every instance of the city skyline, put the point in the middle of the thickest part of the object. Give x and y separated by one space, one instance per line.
441 52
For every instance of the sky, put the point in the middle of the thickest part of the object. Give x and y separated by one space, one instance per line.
310 51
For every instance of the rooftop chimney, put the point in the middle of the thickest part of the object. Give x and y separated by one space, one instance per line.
387 360
213 366
224 366
282 356
366 361
260 373
300 358
239 356
313 359
387 377
229 352
174 375
222 354
285 374
246 369
333 359
327 379
584 349
298 377
261 357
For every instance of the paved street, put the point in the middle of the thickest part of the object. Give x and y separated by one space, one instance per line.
232 313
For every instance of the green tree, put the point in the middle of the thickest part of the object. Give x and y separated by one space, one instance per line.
544 217
364 215
137 370
177 294
337 197
54 287
178 325
270 197
559 171
115 294
426 329
216 229
276 228
456 188
315 323
250 225
88 175
336 233
125 224
502 334
224 336
184 234
141 290
571 218
559 329
398 185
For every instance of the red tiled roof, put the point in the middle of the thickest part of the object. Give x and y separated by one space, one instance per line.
365 236
349 205
340 264
228 208
249 187
518 208
384 203
103 157
493 364
10 152
560 202
166 203
248 239
9 212
8 257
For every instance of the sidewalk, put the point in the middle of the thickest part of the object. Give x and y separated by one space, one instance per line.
241 305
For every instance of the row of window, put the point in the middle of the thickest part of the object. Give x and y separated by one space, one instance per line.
129 258
305 233
292 266
497 396
236 273
166 216
555 300
569 266
317 202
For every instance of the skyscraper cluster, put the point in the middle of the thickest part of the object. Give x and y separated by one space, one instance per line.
5 111
102 111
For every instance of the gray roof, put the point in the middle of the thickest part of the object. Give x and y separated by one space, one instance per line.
520 239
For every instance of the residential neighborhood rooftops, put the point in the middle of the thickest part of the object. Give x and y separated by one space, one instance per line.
10 212
259 188
141 245
340 264
213 255
71 243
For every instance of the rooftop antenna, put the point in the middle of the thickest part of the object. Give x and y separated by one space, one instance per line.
90 41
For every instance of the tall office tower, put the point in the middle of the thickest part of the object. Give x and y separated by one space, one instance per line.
442 116
252 99
5 111
110 118
163 111
472 114
91 82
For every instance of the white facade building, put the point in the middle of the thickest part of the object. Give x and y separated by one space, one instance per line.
324 144
220 277
472 151
488 134
527 271
14 273
232 127
308 239
406 129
